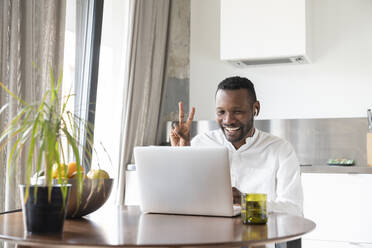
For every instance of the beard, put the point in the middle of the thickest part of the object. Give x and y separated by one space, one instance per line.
236 132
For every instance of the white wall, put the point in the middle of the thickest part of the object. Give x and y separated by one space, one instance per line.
338 82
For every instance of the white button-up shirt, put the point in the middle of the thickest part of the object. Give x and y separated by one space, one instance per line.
264 164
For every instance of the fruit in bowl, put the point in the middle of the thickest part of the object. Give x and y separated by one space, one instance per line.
70 170
98 174
97 186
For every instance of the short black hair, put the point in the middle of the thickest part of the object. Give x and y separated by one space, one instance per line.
236 83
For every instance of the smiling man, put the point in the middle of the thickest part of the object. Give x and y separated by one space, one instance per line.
259 161
235 109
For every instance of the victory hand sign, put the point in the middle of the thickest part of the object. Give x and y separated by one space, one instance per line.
180 133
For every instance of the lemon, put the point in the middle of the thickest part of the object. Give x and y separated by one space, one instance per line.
55 170
98 174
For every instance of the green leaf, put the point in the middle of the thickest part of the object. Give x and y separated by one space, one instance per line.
31 151
45 126
11 93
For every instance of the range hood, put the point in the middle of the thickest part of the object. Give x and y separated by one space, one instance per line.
259 32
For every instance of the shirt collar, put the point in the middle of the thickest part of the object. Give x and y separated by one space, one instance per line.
248 141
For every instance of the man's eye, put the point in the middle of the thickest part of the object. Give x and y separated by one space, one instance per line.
237 112
220 112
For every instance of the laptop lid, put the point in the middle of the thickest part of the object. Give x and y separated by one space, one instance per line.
184 180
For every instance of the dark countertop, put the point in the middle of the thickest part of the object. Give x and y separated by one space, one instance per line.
336 169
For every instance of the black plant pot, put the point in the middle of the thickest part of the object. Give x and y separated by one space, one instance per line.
43 216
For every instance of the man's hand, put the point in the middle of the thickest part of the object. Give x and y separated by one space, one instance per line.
236 196
180 133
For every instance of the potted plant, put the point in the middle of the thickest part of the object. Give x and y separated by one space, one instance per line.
46 132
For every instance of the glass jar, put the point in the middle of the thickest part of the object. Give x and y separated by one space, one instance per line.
254 208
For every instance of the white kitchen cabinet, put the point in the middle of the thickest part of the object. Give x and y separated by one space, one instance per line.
308 243
340 205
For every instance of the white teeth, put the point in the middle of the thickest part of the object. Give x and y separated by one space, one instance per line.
230 129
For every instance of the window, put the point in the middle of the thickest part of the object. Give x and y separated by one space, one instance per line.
97 76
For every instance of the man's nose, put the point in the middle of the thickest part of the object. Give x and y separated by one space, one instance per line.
228 118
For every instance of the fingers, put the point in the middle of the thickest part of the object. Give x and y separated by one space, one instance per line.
181 130
175 125
236 190
174 138
181 114
191 117
236 195
236 200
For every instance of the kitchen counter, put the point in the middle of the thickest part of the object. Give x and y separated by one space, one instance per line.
336 169
316 169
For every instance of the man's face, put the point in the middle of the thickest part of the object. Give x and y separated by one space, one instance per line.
234 114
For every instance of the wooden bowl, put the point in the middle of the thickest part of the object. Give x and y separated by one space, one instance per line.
95 194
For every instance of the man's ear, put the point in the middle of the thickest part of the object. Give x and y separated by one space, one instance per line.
256 108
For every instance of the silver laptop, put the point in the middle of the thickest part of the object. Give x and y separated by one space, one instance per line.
184 180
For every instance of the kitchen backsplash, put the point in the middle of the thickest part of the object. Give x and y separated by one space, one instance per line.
315 140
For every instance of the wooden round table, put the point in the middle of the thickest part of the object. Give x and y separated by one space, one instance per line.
128 227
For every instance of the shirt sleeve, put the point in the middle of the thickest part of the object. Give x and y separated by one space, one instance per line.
288 184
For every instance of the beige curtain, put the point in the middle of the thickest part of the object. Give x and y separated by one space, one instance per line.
31 42
144 76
